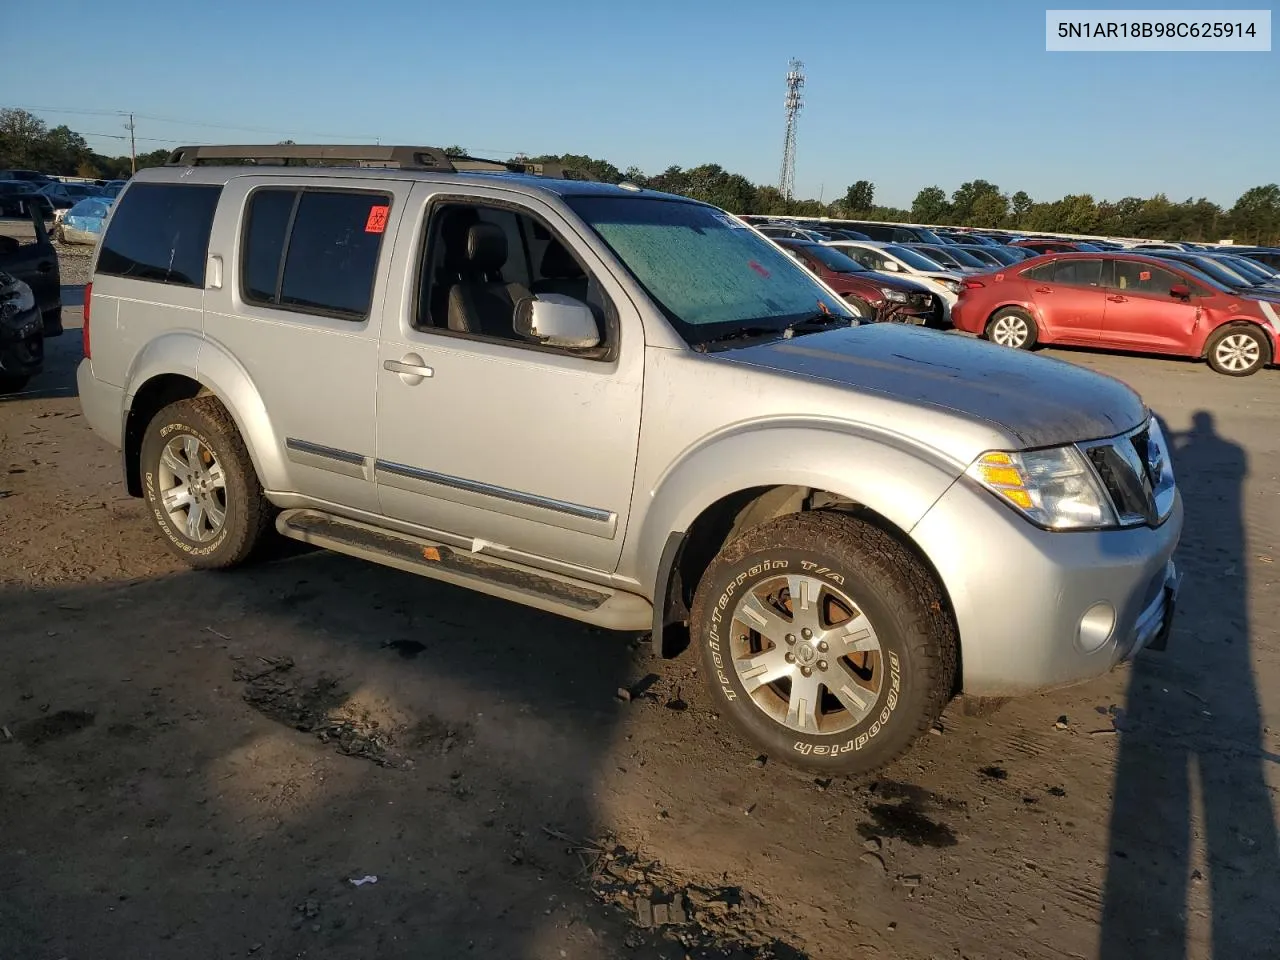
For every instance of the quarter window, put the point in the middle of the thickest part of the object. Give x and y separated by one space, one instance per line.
160 233
314 251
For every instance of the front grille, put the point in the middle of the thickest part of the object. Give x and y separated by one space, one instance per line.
1135 472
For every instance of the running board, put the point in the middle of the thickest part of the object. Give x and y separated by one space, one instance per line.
569 597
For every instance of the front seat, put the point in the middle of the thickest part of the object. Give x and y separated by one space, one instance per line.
479 302
561 273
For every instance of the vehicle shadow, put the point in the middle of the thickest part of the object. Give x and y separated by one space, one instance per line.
199 764
1191 755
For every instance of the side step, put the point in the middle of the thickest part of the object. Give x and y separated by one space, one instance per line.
577 599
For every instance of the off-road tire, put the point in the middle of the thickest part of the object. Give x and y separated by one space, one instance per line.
1232 334
248 513
12 384
894 591
993 328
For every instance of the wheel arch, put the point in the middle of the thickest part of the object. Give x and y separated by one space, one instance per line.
1269 335
181 366
729 486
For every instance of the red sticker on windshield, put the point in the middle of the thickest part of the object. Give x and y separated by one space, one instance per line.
758 269
377 221
1145 275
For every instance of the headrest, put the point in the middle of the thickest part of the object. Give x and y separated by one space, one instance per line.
558 263
486 246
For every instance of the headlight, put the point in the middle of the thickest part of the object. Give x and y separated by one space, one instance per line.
18 300
897 296
953 285
1054 488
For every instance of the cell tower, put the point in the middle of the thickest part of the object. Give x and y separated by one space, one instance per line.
794 101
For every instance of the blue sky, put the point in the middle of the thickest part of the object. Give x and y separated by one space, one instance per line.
905 94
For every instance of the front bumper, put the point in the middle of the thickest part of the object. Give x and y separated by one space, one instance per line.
1020 594
22 344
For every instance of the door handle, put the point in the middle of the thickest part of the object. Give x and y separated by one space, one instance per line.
410 367
1118 299
1043 290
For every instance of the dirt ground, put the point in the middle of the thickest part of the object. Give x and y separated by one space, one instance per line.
200 765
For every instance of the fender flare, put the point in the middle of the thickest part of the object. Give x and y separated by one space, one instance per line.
883 472
187 353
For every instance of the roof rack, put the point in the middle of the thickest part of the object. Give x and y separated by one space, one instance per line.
365 156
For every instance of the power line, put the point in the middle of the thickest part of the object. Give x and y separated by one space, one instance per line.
200 123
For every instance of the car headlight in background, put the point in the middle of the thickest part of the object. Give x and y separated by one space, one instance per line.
1055 488
896 296
955 286
15 299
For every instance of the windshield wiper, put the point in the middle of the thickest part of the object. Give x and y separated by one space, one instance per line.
749 332
819 320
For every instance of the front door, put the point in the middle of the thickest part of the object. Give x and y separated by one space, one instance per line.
1142 313
1071 299
301 314
525 450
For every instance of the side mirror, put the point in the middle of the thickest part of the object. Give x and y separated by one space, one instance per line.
1180 291
556 320
892 266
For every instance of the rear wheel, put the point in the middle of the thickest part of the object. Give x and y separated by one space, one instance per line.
1238 351
201 486
825 641
1012 327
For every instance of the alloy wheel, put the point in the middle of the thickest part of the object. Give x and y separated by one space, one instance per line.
1237 352
193 488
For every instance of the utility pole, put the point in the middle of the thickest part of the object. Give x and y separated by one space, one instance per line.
133 147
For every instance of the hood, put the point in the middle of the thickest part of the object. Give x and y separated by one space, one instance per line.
895 282
1036 401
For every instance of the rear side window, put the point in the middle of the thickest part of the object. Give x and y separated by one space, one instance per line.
160 233
314 251
1079 273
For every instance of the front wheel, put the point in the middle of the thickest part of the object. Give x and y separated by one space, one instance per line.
1012 327
1238 351
859 308
200 485
825 641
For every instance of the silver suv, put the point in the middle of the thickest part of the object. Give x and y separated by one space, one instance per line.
631 409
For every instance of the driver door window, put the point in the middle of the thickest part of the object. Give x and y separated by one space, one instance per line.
480 261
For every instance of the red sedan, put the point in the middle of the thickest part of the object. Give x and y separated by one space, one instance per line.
1122 301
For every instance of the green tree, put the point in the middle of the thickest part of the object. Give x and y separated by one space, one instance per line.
989 210
860 197
1021 203
966 195
455 151
930 206
602 170
22 136
1255 218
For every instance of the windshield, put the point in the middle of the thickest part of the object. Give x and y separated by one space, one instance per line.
707 272
833 259
1219 271
941 255
1250 269
962 257
926 236
1003 254
913 258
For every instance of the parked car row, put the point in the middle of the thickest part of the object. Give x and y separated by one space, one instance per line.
20 189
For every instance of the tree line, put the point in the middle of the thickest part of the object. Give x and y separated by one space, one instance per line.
27 142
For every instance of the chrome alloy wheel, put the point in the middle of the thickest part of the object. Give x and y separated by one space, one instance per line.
1237 352
1010 330
193 488
806 654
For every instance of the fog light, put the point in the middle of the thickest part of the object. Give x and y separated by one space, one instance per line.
1096 626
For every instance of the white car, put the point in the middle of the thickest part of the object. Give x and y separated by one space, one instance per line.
896 258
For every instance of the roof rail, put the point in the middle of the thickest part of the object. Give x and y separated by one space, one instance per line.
362 155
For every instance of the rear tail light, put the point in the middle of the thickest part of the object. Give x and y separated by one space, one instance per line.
84 332
974 284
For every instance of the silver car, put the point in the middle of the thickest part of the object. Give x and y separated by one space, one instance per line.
631 409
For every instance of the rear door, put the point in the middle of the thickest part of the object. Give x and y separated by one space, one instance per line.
35 263
1142 314
304 263
1071 299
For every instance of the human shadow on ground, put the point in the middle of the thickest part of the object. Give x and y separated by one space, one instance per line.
1191 737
